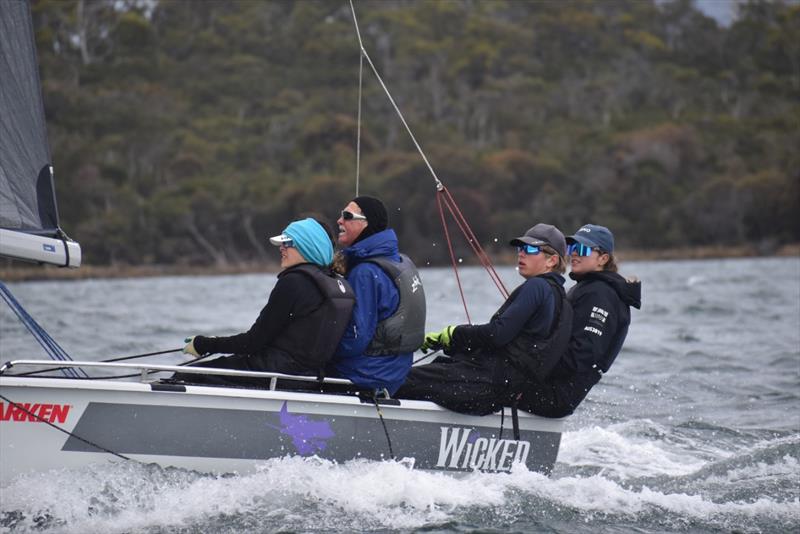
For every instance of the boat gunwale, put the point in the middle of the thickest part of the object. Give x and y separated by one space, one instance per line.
144 367
405 409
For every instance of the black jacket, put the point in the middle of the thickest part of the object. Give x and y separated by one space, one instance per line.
601 304
282 338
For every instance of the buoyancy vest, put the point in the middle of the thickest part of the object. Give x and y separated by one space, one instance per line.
404 330
312 339
532 356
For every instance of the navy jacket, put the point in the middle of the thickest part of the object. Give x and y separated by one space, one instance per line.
377 299
531 307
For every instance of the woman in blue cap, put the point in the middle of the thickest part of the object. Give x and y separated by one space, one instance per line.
601 302
302 322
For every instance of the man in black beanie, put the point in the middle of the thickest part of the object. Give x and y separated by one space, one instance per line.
377 220
388 322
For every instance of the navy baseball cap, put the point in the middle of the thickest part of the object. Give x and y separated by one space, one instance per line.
543 234
594 236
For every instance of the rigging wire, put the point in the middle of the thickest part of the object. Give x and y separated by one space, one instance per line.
51 347
442 191
122 358
29 413
472 239
365 55
452 257
358 134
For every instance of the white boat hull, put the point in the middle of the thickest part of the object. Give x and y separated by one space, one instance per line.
49 423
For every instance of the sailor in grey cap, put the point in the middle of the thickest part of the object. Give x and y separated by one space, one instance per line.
537 237
489 364
601 301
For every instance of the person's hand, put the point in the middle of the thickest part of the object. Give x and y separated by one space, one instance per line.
189 348
430 343
438 340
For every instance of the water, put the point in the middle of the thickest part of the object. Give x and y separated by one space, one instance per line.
695 429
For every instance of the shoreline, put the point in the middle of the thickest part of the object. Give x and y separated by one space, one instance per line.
31 272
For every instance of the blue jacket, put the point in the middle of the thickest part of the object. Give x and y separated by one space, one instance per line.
377 299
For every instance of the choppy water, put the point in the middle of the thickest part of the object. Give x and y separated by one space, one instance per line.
695 429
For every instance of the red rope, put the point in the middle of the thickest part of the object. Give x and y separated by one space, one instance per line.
452 256
487 263
476 247
473 241
444 196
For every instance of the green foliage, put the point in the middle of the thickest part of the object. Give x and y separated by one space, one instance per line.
189 131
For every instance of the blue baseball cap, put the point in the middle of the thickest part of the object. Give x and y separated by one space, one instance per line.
594 236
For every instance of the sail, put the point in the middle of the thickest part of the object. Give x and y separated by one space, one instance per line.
29 227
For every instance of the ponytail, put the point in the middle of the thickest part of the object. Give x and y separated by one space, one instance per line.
611 264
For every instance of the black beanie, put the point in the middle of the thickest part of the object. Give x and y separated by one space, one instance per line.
375 212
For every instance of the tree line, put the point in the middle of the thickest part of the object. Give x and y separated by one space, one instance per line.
185 132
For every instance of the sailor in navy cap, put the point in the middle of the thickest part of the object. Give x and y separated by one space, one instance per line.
601 302
593 236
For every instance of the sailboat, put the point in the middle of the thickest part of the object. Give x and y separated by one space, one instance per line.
55 422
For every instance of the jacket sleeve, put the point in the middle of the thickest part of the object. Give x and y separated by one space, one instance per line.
531 300
286 297
376 299
595 320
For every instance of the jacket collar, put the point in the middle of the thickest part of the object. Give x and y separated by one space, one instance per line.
384 243
630 292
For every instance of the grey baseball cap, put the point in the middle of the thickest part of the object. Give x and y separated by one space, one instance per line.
543 234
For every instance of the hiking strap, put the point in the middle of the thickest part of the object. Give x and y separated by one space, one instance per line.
515 418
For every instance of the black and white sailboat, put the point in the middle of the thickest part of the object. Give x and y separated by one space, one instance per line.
68 422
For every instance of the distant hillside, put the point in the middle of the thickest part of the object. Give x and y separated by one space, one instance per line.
185 132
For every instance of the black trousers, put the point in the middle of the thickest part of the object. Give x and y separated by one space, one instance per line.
474 384
480 385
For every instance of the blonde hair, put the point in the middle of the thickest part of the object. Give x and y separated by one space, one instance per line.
611 266
339 263
561 266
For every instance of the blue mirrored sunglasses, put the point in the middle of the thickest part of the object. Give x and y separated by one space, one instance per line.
288 244
529 249
580 250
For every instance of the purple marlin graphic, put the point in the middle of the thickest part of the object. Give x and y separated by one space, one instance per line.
308 436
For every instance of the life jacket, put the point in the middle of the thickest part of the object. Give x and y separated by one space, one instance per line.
404 330
312 339
532 356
